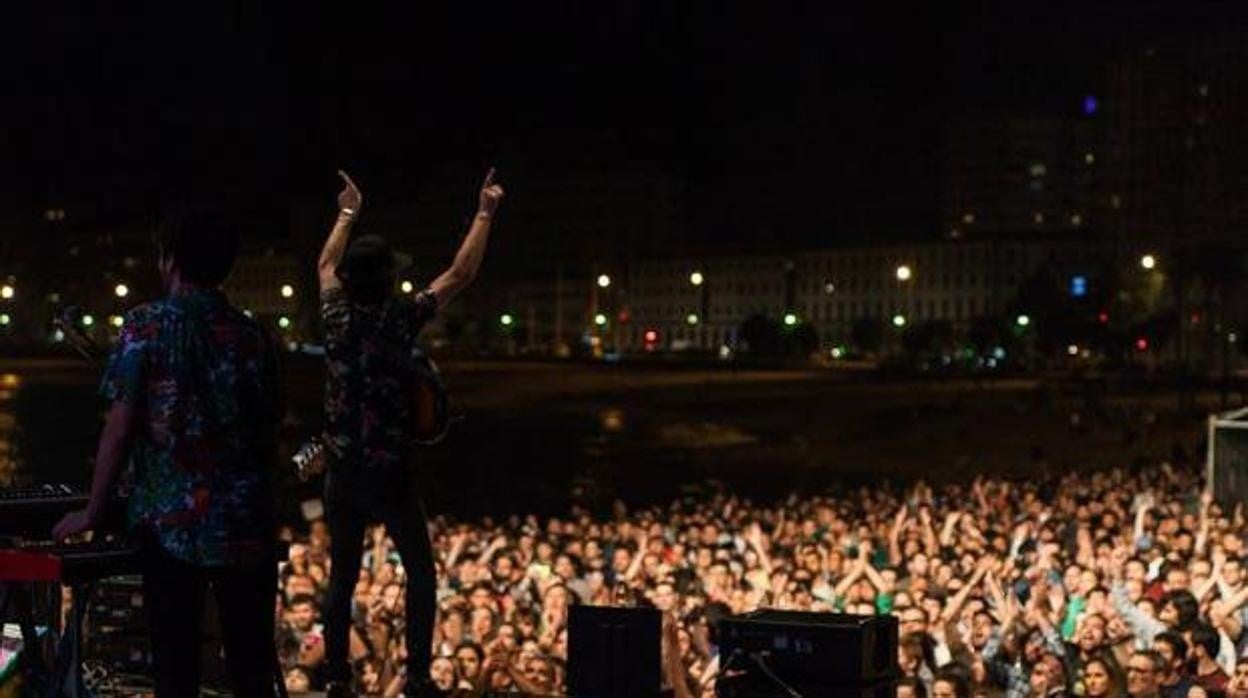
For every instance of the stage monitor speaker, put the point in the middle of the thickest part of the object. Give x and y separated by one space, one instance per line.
811 648
614 652
750 686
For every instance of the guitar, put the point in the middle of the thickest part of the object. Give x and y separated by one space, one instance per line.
432 416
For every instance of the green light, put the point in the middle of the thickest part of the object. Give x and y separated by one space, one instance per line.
790 319
283 322
5 319
506 319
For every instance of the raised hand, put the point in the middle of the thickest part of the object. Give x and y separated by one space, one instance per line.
349 199
491 195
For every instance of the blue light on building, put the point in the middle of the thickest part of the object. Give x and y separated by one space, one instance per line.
1078 286
1090 105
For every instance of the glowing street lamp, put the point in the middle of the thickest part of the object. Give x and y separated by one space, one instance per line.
1023 320
1148 261
288 291
692 318
7 291
899 320
283 322
506 320
88 320
603 281
790 319
407 287
696 278
5 319
904 273
121 290
600 320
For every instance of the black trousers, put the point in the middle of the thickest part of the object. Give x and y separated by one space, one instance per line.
174 593
354 498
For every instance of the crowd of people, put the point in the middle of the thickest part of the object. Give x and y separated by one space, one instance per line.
1114 583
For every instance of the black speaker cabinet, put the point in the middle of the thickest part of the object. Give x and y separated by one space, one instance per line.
811 648
614 652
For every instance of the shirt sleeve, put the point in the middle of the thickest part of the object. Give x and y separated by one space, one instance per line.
127 365
335 314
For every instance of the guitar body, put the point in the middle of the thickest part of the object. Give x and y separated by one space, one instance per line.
430 404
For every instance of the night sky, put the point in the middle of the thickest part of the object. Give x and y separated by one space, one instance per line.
781 118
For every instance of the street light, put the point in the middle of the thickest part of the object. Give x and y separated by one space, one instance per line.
87 320
899 320
603 281
506 319
116 321
904 273
6 291
790 319
5 319
407 287
696 278
692 318
283 322
600 320
121 290
288 291
1023 320
1148 261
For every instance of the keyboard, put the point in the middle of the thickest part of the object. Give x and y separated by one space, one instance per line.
67 563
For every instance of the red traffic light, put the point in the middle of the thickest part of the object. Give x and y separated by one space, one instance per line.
652 336
1141 344
1103 317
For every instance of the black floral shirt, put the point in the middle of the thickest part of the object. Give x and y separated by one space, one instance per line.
367 352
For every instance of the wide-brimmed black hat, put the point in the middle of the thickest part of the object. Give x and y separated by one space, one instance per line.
369 261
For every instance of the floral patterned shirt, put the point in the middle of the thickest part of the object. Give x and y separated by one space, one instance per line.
367 347
203 377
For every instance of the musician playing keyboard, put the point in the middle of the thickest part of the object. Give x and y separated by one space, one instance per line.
192 386
369 330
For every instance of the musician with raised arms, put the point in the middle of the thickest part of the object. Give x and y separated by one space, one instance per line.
192 392
370 332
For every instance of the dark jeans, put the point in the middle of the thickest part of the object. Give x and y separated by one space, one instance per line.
174 592
354 499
